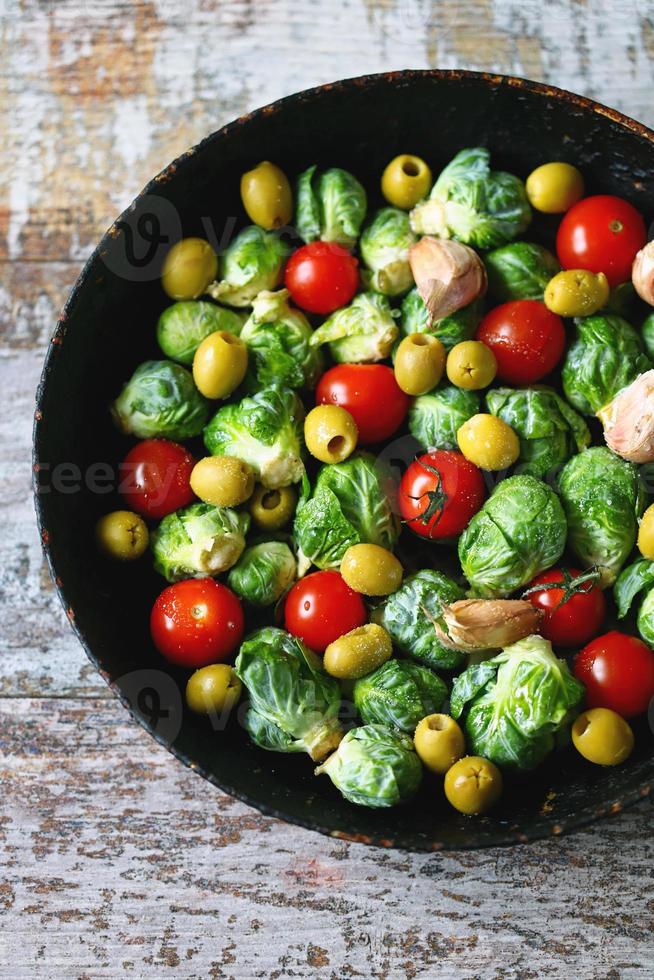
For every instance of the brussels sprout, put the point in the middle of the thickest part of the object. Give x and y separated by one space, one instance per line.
183 326
647 331
520 270
374 767
363 331
602 498
605 357
451 330
399 694
264 431
634 579
330 206
519 532
384 248
294 703
518 706
278 340
263 573
160 399
410 613
474 204
434 418
251 263
198 540
349 505
550 432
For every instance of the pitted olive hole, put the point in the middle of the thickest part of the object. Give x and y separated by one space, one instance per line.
419 340
272 500
437 724
336 445
410 168
582 725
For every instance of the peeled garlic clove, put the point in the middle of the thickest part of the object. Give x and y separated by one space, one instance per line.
642 273
628 420
487 624
448 275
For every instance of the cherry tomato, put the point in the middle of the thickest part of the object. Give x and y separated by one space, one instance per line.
602 234
155 478
197 622
321 607
618 672
321 277
370 393
572 614
526 338
439 493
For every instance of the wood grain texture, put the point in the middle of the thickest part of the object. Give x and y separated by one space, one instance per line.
116 861
123 863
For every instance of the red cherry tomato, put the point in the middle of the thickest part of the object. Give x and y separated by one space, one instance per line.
370 394
618 672
527 339
155 478
321 277
439 494
321 607
603 234
197 622
572 614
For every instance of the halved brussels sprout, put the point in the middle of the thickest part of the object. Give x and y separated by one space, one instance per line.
384 248
264 431
294 703
330 206
361 332
198 541
254 261
278 341
474 204
517 706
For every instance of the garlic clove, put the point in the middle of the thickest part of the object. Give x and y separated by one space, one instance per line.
487 624
448 275
628 420
642 273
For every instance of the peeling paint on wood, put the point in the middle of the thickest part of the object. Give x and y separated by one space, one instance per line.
116 860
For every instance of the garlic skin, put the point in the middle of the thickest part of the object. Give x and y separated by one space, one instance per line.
628 420
448 275
642 273
487 624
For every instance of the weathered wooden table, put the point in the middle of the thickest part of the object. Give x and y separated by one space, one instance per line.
116 861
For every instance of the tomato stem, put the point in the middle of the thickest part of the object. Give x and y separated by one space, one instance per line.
569 584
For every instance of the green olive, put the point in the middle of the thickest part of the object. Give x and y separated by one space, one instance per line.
471 365
439 742
419 363
602 736
266 196
213 689
122 535
488 442
371 569
358 652
220 364
272 509
405 181
223 481
188 268
577 292
473 785
554 187
330 433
